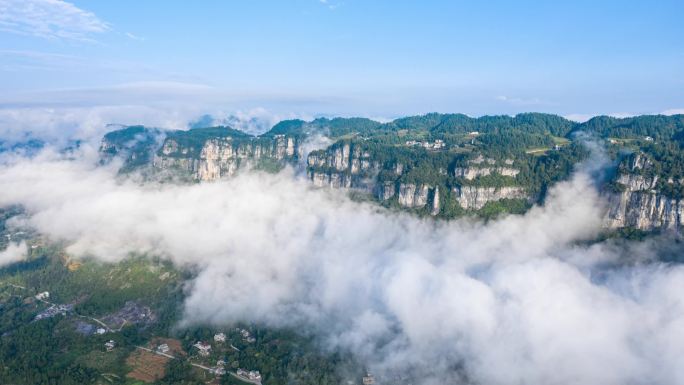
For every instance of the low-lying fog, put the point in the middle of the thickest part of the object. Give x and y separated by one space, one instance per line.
517 300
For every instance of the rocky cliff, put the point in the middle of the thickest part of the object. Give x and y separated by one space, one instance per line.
412 195
342 165
481 166
638 203
471 173
643 210
348 165
475 197
221 157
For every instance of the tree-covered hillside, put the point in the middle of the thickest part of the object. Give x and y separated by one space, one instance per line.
446 152
336 127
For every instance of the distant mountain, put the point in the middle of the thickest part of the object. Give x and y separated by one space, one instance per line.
253 125
335 127
29 146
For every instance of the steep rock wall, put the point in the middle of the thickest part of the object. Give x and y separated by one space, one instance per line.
639 204
475 197
222 157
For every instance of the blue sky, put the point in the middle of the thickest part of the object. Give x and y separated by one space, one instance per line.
349 57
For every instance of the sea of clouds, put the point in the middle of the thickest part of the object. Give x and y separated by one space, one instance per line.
522 299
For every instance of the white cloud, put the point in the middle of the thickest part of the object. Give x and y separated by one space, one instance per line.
254 121
57 125
580 118
332 6
13 253
49 19
518 300
521 101
673 111
134 37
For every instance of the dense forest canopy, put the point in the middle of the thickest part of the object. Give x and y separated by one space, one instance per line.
435 124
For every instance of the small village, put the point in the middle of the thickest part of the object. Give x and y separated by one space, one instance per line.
438 144
133 313
216 355
204 354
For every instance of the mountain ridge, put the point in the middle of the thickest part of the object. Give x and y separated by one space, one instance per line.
445 165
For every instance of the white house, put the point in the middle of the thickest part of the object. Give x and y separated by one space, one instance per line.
246 336
220 337
43 296
163 348
204 349
252 375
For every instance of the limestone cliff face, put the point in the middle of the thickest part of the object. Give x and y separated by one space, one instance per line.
640 205
332 180
221 157
643 210
217 158
475 197
164 161
386 191
481 166
342 166
177 164
636 182
348 166
471 173
411 195
435 202
342 158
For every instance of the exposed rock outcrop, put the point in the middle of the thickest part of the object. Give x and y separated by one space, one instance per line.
643 210
471 173
345 166
475 197
221 157
640 205
341 166
411 195
435 202
341 158
386 190
637 182
330 179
